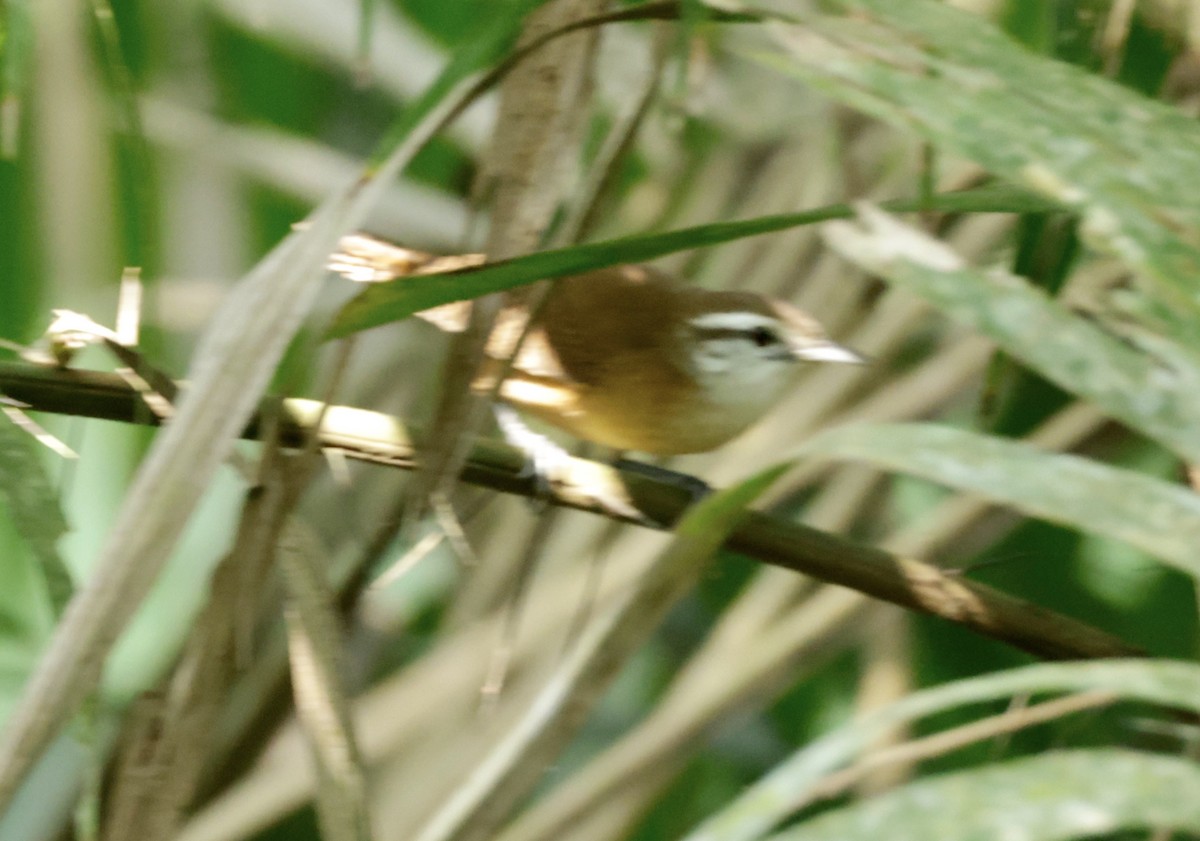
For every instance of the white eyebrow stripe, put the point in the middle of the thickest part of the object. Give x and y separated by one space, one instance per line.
735 322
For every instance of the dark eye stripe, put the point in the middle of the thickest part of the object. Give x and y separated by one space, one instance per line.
760 336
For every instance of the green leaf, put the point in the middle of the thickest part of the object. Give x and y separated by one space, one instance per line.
770 801
1075 137
384 303
1065 794
1157 394
33 504
1155 516
713 518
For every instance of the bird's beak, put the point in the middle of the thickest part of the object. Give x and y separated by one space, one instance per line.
829 352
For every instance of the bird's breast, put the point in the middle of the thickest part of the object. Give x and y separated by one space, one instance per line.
647 408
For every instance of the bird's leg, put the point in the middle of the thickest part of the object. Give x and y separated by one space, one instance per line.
555 471
544 459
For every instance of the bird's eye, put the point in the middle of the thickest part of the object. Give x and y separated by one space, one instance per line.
763 337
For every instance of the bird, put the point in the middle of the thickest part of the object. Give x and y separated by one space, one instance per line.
629 356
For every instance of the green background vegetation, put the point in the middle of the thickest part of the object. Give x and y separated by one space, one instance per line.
188 138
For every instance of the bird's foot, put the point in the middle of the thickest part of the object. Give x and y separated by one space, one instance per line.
557 475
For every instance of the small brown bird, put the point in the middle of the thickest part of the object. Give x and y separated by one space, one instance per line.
629 357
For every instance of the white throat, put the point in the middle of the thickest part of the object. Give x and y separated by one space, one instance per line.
734 366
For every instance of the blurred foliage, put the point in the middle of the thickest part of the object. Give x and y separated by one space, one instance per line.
190 194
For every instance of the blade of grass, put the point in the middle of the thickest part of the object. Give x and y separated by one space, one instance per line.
387 302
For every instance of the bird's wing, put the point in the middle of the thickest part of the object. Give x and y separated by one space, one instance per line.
536 358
